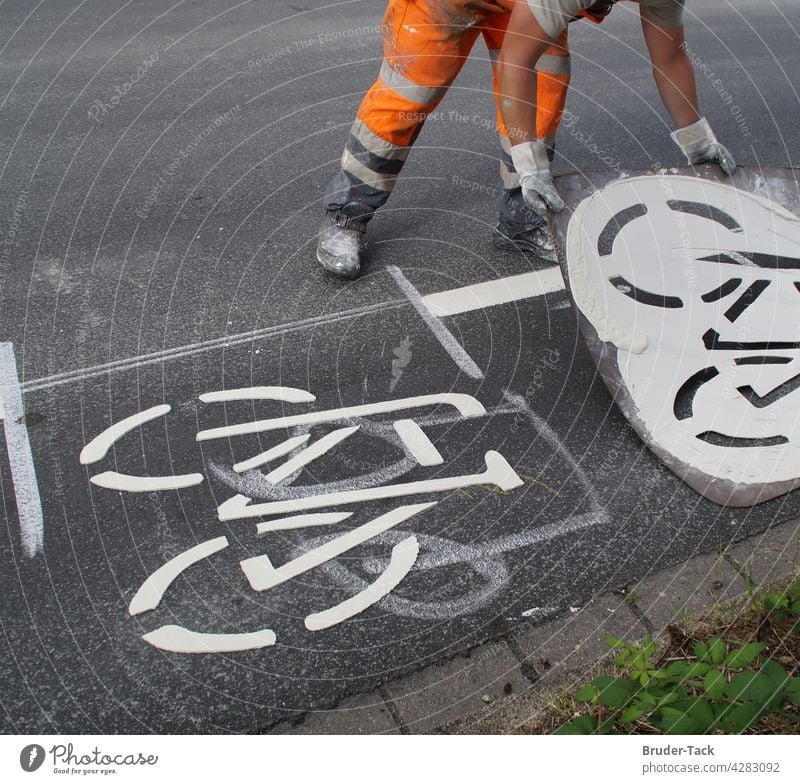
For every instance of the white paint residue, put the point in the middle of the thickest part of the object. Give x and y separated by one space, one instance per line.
271 454
402 561
420 446
317 449
176 639
467 405
486 559
302 521
112 480
154 587
495 292
98 447
20 457
262 575
737 421
284 394
498 472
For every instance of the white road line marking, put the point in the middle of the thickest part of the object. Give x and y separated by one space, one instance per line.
271 454
420 446
456 351
112 480
284 394
317 449
495 292
466 405
20 457
154 587
176 639
302 521
98 447
402 561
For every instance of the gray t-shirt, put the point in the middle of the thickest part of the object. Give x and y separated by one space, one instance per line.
555 15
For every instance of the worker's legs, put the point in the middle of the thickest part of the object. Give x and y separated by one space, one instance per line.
423 54
553 77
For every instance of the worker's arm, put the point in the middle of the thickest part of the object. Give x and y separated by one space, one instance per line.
674 76
524 43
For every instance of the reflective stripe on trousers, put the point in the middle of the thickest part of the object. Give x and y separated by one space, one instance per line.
423 53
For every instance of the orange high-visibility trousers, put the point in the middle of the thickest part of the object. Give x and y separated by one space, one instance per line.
424 50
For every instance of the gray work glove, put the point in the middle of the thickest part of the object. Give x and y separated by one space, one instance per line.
533 167
700 145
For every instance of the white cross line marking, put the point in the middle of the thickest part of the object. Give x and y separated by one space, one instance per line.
20 457
456 351
495 292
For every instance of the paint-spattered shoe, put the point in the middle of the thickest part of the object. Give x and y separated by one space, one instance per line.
342 245
534 239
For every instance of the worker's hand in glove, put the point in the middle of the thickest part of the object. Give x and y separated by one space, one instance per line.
533 167
699 145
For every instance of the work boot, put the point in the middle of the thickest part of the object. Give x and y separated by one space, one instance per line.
342 240
530 238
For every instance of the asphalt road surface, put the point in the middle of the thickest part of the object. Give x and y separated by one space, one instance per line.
162 167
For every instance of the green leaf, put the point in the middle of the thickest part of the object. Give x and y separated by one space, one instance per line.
616 692
647 700
683 670
792 691
794 607
714 684
775 672
700 650
583 725
586 694
697 670
740 658
740 718
699 710
677 669
677 722
752 687
615 642
632 714
717 650
607 726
